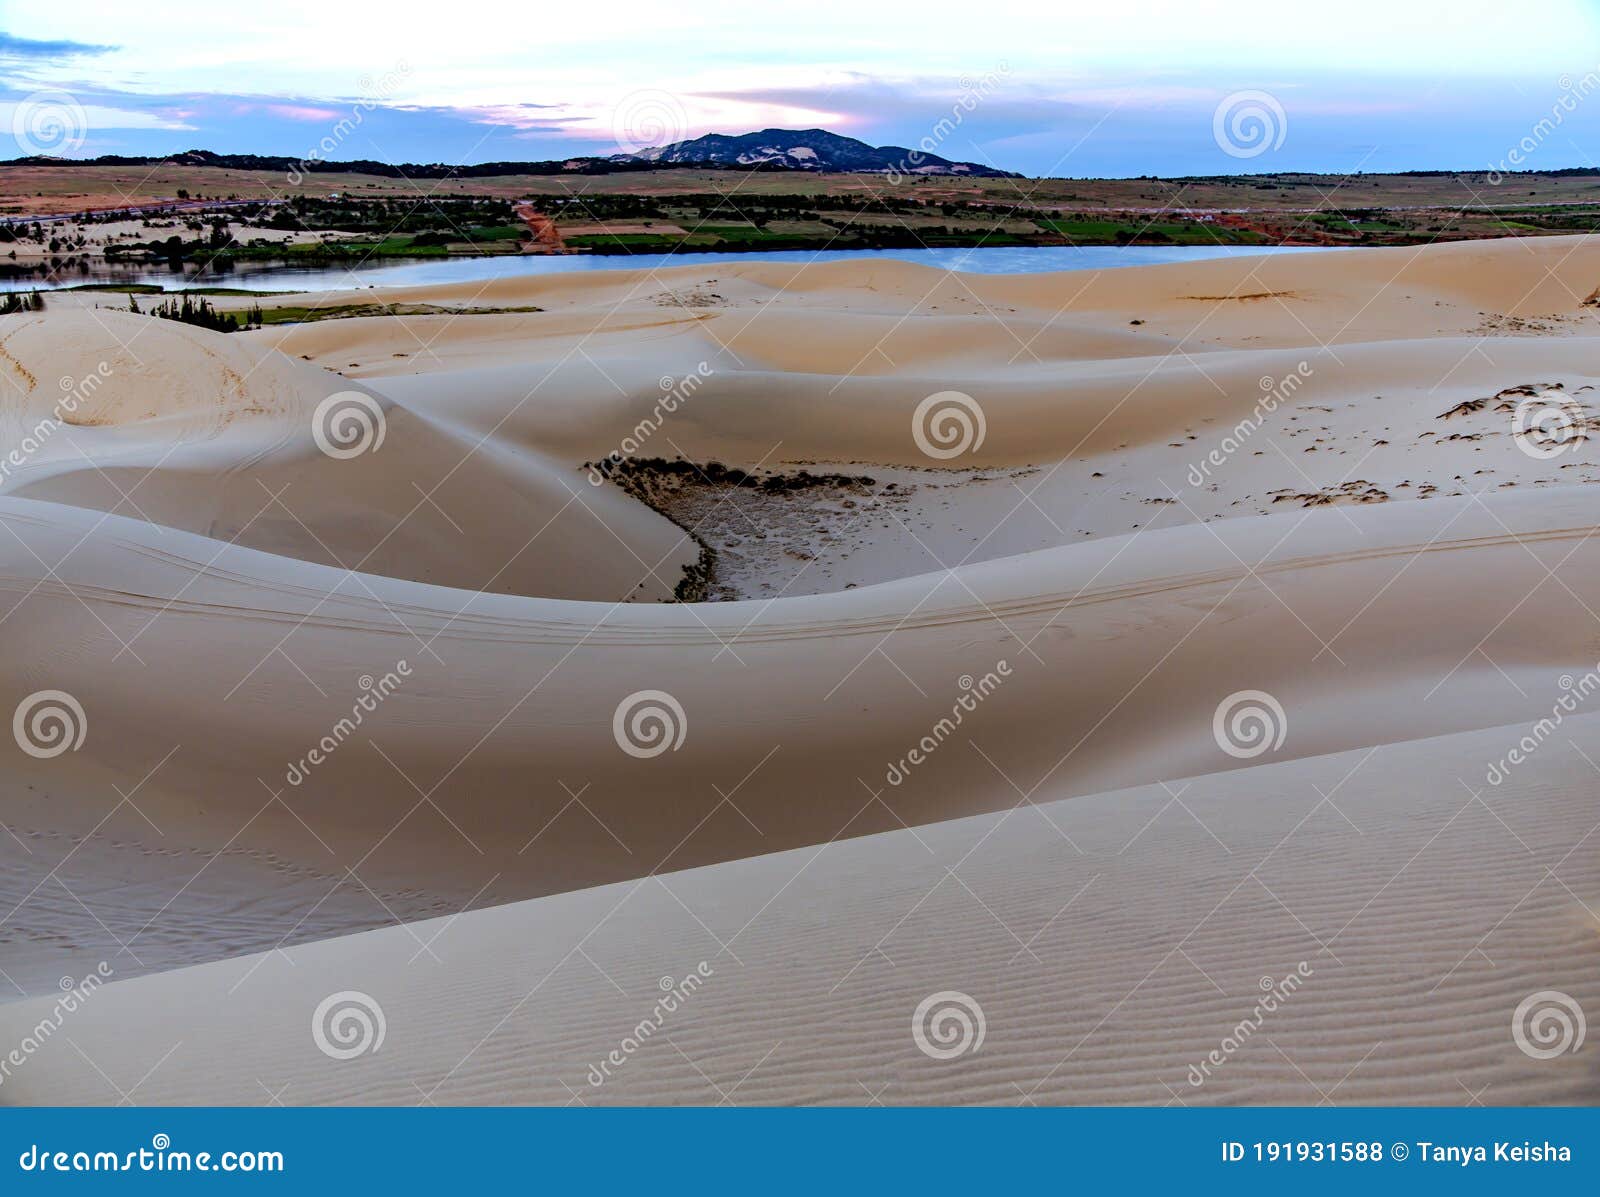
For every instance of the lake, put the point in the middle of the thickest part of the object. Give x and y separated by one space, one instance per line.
390 273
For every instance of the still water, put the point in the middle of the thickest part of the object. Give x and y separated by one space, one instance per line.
389 273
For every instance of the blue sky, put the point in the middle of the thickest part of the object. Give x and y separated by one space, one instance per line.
1065 88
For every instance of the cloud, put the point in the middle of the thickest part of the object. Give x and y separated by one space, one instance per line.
87 117
525 116
907 108
26 47
303 112
628 120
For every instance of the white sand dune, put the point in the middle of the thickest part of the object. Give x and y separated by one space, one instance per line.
1375 553
1111 943
188 429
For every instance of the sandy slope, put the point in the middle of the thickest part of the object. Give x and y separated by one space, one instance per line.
1072 570
1116 654
1100 422
1110 942
211 434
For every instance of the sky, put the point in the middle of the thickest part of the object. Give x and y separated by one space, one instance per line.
1058 88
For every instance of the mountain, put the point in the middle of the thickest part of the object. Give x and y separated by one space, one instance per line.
809 149
279 163
770 149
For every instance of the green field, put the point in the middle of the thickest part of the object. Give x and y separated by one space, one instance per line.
342 218
1090 231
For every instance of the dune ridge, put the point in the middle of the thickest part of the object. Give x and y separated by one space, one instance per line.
422 720
1111 942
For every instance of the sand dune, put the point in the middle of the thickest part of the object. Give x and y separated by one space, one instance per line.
1111 943
326 693
188 429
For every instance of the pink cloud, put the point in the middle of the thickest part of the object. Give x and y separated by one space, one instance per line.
300 112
